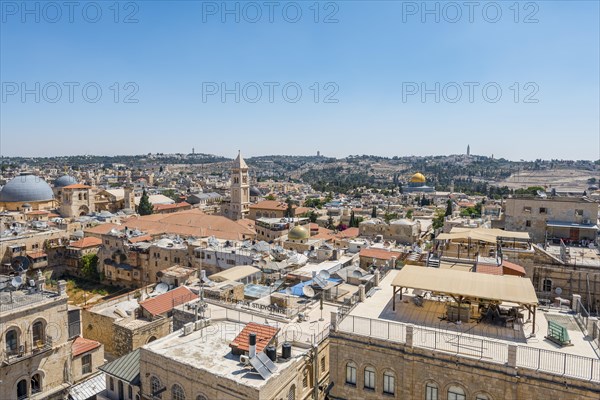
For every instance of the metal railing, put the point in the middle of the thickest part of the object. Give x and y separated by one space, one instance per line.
497 352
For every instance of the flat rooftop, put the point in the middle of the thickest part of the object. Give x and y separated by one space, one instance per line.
14 300
578 255
375 317
208 349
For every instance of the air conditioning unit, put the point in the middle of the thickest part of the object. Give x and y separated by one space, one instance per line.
188 328
244 359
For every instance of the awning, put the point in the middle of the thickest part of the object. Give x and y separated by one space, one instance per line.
482 234
503 288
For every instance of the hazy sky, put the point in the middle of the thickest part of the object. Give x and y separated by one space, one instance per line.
387 78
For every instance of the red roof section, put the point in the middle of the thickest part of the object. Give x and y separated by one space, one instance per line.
509 268
489 269
162 207
380 254
143 238
86 242
167 301
264 336
36 254
77 186
82 345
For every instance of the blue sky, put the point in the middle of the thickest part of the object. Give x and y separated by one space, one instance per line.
369 60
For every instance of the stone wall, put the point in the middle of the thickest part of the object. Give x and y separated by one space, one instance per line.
132 334
414 368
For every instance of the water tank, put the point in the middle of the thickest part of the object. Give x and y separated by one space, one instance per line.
286 351
271 353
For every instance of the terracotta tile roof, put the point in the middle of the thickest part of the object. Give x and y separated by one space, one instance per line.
86 242
270 205
162 207
348 233
380 254
509 268
489 269
264 335
81 345
102 228
36 254
143 238
167 301
38 212
77 186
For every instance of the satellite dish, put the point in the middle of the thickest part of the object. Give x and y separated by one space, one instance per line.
20 264
288 291
16 282
161 288
308 291
558 291
323 274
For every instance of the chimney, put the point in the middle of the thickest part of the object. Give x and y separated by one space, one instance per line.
252 347
62 287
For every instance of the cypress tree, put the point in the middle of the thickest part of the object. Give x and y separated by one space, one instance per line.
145 207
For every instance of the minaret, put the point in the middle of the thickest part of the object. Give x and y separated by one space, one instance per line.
468 150
240 189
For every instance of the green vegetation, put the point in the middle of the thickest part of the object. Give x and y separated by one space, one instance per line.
449 209
438 220
474 212
89 267
271 197
531 190
145 207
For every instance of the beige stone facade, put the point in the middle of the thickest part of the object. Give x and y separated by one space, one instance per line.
412 369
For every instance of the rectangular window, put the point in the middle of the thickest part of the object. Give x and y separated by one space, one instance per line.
351 374
388 383
579 213
323 365
543 210
369 378
528 223
129 392
431 392
86 364
111 383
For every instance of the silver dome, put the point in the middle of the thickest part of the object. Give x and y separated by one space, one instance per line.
65 180
26 188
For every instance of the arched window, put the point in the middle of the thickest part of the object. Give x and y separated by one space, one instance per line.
456 393
201 397
547 285
155 386
12 341
36 383
351 373
151 339
369 378
177 392
389 382
431 391
37 334
292 393
22 389
482 396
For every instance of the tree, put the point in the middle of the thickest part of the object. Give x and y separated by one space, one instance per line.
448 208
289 212
352 221
330 223
438 220
271 197
89 267
145 207
374 212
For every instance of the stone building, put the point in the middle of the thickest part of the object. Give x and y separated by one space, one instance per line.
402 230
553 218
239 203
392 346
41 354
76 200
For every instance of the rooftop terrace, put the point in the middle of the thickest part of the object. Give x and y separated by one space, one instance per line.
376 318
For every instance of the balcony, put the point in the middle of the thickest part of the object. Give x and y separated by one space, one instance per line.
24 352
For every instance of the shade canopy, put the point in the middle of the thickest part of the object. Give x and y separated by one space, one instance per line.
482 234
504 288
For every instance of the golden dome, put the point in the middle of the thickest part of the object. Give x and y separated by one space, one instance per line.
418 178
298 233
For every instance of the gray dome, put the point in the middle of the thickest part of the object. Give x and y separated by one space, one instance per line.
255 192
65 180
26 188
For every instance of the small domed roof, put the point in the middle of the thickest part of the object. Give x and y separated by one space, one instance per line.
298 233
254 192
65 180
26 188
418 178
